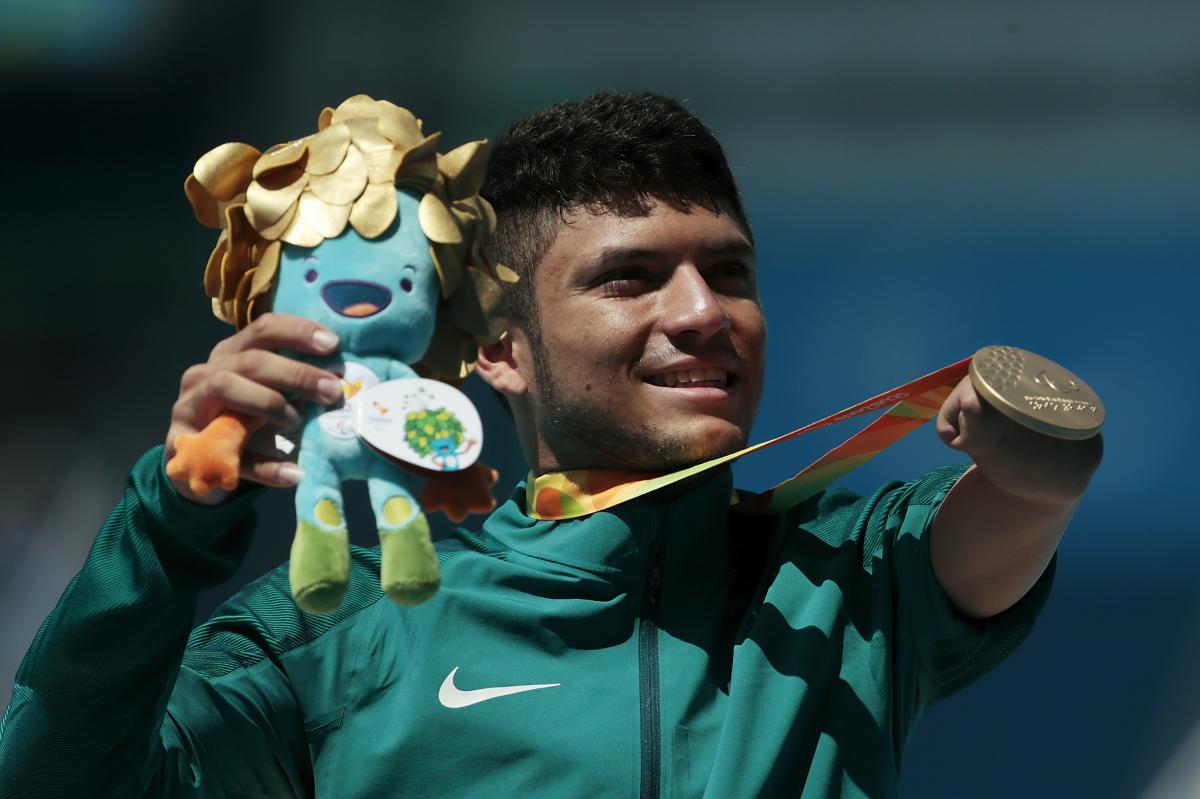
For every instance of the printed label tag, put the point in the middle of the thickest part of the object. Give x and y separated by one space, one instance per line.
423 422
338 421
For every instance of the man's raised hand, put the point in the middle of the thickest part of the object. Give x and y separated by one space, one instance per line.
244 375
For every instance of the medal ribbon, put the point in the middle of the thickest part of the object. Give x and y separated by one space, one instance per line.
568 495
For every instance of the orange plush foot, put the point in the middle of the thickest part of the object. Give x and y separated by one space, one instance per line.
212 458
460 493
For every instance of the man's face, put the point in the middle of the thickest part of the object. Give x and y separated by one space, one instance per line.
649 351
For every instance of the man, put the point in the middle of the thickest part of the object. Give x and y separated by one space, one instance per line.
668 646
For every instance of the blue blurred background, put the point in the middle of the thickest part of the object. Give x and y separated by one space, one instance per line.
923 179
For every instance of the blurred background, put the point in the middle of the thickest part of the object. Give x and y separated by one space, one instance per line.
923 179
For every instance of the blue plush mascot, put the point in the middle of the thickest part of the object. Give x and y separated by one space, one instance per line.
366 229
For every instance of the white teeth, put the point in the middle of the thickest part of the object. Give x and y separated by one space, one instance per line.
688 377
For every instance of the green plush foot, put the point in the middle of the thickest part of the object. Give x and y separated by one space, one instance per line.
409 569
319 569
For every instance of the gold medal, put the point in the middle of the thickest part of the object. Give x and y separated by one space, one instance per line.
1036 393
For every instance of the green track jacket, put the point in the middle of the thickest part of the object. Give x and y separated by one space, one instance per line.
667 647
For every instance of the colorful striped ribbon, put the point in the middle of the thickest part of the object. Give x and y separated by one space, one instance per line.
568 495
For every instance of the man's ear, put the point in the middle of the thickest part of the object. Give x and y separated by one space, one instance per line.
498 365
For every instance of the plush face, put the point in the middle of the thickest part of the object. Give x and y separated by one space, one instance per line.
379 295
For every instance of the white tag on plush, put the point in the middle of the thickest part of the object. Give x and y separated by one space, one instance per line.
339 420
423 422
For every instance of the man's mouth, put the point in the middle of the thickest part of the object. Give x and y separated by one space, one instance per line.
714 377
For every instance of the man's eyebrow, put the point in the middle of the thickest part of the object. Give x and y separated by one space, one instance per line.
617 253
731 247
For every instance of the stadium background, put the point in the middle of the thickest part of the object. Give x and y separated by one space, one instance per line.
923 180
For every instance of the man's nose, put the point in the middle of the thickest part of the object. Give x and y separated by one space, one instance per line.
692 307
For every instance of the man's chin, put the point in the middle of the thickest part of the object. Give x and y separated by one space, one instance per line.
667 452
604 440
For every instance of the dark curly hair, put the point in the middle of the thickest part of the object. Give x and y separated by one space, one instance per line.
613 152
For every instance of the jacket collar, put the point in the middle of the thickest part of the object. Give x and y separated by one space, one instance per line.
622 540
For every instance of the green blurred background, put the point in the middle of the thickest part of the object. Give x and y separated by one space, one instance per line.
924 179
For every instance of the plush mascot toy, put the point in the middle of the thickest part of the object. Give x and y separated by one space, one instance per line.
366 229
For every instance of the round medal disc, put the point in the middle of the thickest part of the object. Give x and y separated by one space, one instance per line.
1036 393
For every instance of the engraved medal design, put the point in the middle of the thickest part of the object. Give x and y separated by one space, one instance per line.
1036 393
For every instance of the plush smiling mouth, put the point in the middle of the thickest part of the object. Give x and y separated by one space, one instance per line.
692 378
356 298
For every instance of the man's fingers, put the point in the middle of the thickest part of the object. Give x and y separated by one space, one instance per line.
255 382
268 472
242 375
231 391
286 375
273 331
192 376
273 444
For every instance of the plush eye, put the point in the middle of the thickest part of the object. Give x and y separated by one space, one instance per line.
406 284
310 275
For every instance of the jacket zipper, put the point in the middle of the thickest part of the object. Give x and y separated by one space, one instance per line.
648 687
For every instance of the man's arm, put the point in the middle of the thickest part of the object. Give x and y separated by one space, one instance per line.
999 526
90 696
89 702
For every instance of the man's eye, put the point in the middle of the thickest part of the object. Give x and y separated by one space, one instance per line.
734 276
623 282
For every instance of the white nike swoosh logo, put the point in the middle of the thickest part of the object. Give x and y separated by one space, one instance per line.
452 696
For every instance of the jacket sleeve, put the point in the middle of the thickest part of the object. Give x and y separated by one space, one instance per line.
939 649
89 712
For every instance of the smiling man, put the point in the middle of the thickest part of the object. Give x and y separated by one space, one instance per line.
640 340
669 645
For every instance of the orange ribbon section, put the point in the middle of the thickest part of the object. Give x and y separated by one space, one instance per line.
568 495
